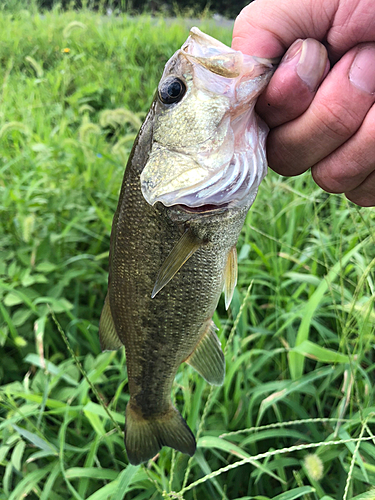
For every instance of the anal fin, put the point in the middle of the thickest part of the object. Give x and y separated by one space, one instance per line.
109 340
208 358
181 252
230 276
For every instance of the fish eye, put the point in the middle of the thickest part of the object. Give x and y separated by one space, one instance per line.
172 90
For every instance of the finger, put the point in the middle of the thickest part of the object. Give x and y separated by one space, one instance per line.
294 83
353 23
266 28
335 114
364 194
350 169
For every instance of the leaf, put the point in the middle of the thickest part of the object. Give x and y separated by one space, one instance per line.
49 483
351 447
28 483
3 453
58 305
315 351
40 454
21 316
17 454
92 472
223 445
4 330
292 386
95 422
105 492
35 360
24 411
12 299
296 360
368 495
17 297
124 481
46 267
35 440
287 495
295 493
98 410
203 464
9 322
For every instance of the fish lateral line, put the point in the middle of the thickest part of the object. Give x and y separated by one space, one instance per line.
186 246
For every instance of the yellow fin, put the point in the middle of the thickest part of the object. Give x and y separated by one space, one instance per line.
109 340
230 276
182 251
208 358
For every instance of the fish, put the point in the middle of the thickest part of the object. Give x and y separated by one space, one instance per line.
192 175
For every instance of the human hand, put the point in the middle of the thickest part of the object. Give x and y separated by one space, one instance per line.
321 117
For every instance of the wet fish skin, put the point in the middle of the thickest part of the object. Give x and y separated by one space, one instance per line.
175 325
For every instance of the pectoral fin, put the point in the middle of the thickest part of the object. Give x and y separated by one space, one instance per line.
109 340
230 276
208 358
183 250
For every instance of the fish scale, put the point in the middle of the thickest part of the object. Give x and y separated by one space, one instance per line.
169 264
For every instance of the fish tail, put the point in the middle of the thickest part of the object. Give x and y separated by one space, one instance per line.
145 437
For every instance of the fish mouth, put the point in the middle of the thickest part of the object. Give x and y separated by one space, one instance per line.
203 209
220 59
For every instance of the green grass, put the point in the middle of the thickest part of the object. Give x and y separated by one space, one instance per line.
299 337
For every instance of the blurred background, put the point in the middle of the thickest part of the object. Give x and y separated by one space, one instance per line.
76 81
162 7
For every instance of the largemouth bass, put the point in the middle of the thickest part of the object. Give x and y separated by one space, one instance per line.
193 174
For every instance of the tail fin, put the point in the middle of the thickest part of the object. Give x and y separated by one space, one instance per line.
145 437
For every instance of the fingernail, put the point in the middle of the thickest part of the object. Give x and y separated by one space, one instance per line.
362 71
310 58
293 51
312 63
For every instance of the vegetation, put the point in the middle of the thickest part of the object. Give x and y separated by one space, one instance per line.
295 417
167 7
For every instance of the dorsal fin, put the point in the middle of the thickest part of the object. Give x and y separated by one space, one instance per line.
182 251
230 276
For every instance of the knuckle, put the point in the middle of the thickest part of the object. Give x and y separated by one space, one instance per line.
338 176
337 119
361 199
364 194
331 182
